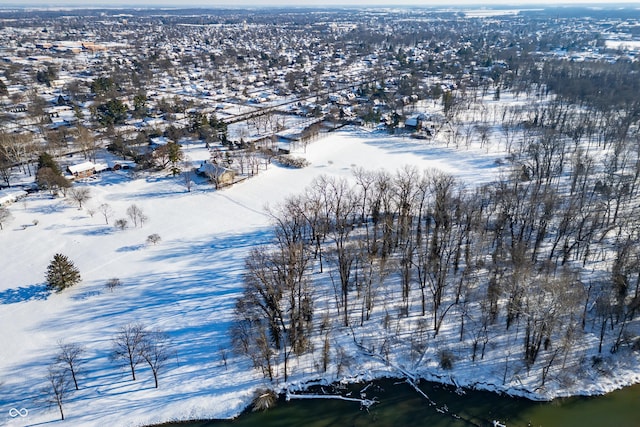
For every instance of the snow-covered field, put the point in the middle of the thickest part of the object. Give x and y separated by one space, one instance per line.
185 285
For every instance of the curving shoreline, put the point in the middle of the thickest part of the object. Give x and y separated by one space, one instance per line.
440 396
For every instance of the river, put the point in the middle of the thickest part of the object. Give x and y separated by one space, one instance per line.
401 405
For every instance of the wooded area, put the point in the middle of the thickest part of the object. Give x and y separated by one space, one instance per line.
546 256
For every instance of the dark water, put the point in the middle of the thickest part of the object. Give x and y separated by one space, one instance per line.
401 405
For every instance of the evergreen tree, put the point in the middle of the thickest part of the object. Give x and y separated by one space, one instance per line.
47 76
61 273
175 155
45 160
102 85
140 108
113 112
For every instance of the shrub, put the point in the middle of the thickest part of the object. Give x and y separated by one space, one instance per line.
153 238
446 359
264 399
292 162
113 283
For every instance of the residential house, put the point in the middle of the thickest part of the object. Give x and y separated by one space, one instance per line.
82 170
117 165
219 175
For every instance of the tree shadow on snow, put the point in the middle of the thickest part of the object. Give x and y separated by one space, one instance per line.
85 295
51 208
27 293
131 248
98 231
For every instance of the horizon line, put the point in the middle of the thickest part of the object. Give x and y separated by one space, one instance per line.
330 4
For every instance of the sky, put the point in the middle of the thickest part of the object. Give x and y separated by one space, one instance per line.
314 3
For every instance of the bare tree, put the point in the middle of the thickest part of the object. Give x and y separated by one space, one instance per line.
187 179
340 204
253 161
5 216
80 195
224 356
127 346
5 169
261 306
86 142
58 387
48 179
106 211
136 215
155 351
251 338
276 297
17 148
70 357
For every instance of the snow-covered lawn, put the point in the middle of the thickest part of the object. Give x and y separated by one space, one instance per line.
185 285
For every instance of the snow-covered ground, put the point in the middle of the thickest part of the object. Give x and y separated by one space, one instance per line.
185 285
